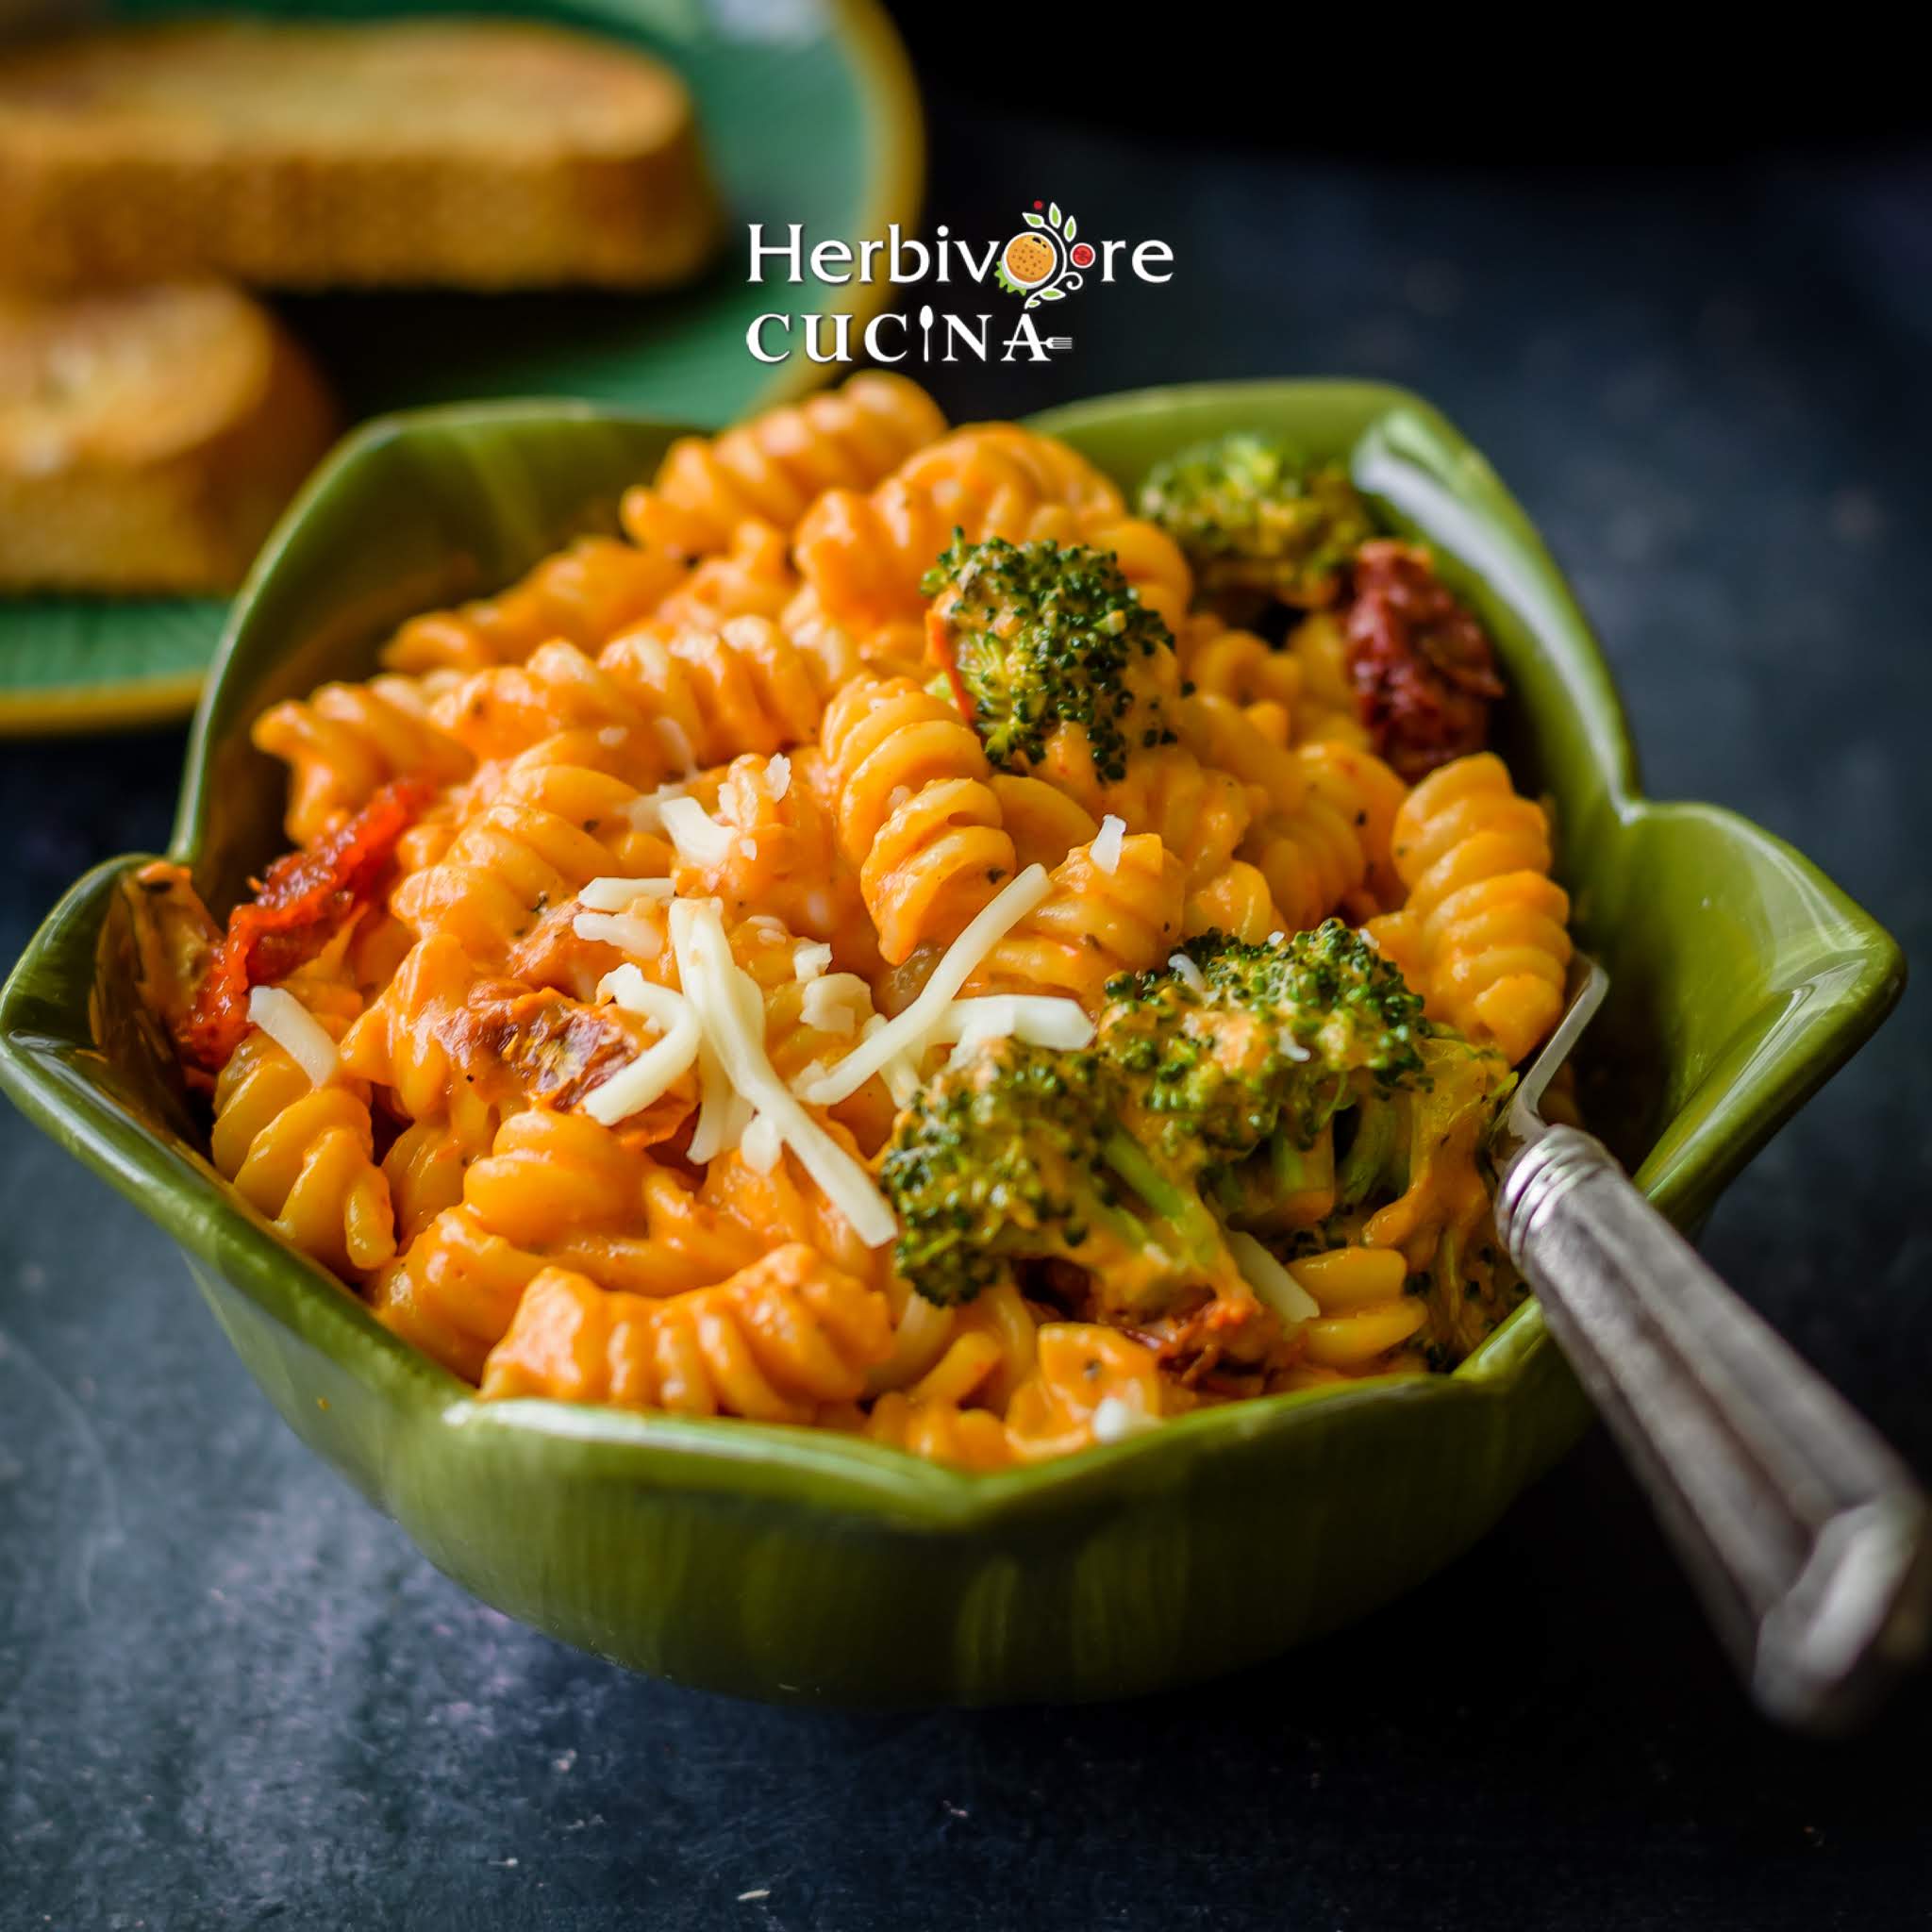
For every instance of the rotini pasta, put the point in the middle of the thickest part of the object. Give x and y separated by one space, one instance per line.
773 468
917 813
1098 919
300 1152
552 828
864 557
693 699
1484 922
1325 848
555 1189
753 579
584 594
863 954
345 744
772 1343
1223 662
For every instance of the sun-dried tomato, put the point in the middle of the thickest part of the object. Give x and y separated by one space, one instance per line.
1421 665
299 904
555 1049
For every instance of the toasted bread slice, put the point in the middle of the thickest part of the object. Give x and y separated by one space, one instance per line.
148 437
463 153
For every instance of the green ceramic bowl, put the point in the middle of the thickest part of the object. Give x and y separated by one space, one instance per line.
786 1563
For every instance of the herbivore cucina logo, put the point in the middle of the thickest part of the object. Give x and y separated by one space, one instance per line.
1046 260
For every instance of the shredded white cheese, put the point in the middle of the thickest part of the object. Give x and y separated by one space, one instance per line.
297 1031
761 1144
809 958
1275 938
723 1114
900 1072
961 958
778 776
646 815
611 735
1115 1419
1187 972
641 1081
623 930
613 894
836 1003
1039 1019
732 1015
699 838
676 745
750 849
1272 1282
1106 844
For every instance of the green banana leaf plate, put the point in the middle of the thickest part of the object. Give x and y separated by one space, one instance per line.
809 114
792 1564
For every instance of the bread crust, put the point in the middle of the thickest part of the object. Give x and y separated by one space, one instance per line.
467 154
149 438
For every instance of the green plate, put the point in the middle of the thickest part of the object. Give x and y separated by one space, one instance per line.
809 114
790 1563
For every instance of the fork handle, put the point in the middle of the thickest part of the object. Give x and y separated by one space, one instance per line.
1805 1536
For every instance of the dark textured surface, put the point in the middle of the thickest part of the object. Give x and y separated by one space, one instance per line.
230 1695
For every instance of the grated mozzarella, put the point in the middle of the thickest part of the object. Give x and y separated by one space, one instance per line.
640 1081
614 894
961 958
1038 1019
900 1072
646 815
623 930
1272 1282
676 745
731 1013
778 776
722 1115
1187 972
761 1144
699 838
1106 844
809 958
297 1031
835 1004
1115 1419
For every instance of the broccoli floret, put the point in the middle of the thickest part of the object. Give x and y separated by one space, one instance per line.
1410 1159
1033 636
1246 1043
1017 1155
1253 518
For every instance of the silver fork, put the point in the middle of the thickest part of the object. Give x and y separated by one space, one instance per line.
1805 1536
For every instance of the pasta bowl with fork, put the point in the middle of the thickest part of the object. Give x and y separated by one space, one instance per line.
819 1564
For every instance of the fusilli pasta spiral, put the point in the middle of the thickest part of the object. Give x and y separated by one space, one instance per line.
1096 921
774 467
584 594
1484 923
302 1154
916 812
695 699
346 741
864 557
772 1343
